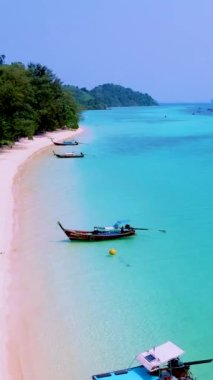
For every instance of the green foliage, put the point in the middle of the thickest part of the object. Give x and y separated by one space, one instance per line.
117 96
84 98
16 111
32 101
109 95
54 107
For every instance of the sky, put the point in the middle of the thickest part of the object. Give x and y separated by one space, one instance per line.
160 47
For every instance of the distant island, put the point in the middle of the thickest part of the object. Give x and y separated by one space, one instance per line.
107 96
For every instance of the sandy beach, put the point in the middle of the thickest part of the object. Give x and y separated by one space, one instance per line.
11 161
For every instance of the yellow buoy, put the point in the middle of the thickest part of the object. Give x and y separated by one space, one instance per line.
112 251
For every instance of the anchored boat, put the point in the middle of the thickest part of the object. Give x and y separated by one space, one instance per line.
64 143
69 155
99 233
159 363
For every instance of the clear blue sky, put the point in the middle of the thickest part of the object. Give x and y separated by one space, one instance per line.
163 47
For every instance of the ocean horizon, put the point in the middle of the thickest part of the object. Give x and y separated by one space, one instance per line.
87 312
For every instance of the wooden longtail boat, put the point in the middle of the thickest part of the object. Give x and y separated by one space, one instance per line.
69 155
159 363
99 233
65 143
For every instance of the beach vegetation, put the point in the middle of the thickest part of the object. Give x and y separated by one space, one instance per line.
33 101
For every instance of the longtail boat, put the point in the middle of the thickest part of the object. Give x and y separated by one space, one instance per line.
159 363
69 155
99 233
64 143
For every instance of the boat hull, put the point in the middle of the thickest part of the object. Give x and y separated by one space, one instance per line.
66 143
95 235
68 155
136 373
98 237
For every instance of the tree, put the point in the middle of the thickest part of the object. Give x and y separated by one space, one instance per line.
2 58
32 101
54 107
16 103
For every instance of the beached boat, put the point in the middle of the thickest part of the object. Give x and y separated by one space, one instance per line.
65 143
69 155
99 233
159 363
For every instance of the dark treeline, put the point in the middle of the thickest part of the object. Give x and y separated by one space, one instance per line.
32 101
114 95
109 95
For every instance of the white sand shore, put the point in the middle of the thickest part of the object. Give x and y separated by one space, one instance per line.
10 162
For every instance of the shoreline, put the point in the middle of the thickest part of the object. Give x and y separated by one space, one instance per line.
12 161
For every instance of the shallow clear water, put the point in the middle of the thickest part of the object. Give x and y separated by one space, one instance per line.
152 167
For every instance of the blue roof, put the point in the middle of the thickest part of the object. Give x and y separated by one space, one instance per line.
137 373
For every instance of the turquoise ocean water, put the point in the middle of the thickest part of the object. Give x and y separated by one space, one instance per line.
151 166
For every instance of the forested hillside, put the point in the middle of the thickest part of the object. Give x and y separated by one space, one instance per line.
117 96
109 95
84 98
32 101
